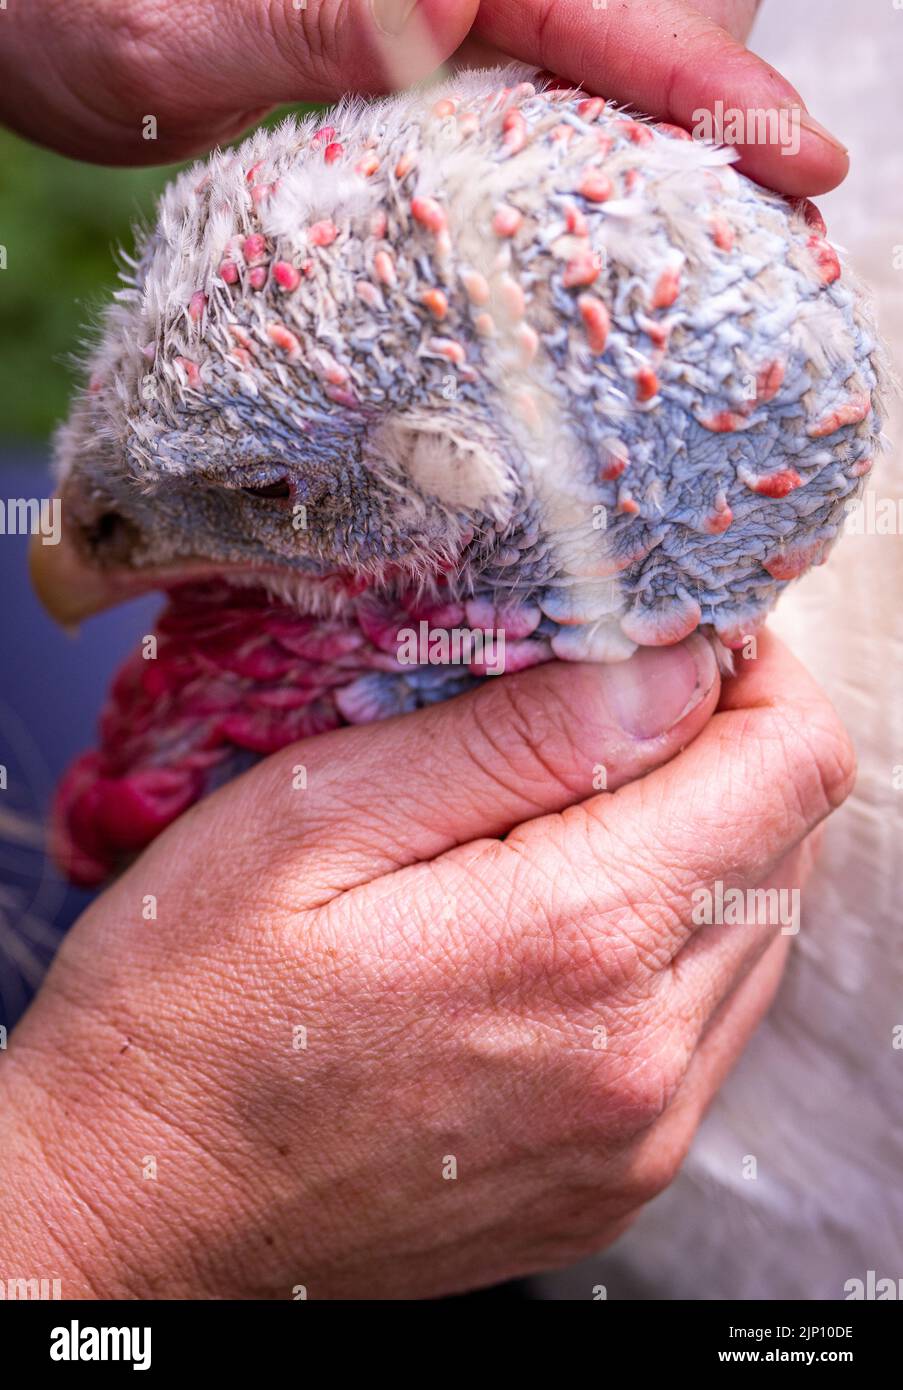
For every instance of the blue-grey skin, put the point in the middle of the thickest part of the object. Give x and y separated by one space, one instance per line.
619 461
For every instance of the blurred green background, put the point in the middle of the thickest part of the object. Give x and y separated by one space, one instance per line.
60 222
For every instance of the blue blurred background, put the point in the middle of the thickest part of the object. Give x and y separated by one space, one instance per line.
60 225
51 693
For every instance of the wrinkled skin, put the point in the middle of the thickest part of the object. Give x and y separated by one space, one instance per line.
455 988
173 1038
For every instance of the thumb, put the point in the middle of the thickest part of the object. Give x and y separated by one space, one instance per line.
83 75
381 796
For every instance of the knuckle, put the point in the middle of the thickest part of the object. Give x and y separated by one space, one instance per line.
149 60
624 1100
837 764
587 1223
133 38
524 739
129 25
586 943
309 37
301 31
647 1091
605 904
658 1159
785 766
818 758
659 1055
633 890
655 1173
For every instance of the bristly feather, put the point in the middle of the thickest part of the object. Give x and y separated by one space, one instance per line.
511 350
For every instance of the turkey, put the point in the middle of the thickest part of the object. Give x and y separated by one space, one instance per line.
499 361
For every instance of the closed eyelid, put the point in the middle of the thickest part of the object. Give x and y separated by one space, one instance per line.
251 477
279 488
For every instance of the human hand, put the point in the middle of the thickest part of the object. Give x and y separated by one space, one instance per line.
490 968
83 75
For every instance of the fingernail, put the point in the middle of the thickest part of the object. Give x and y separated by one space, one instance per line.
659 686
814 127
392 15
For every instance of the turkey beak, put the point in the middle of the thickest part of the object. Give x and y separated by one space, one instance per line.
69 586
98 558
82 568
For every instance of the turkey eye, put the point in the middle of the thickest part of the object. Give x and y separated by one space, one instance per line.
280 489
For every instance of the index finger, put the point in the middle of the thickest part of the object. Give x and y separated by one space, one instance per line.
668 59
383 795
